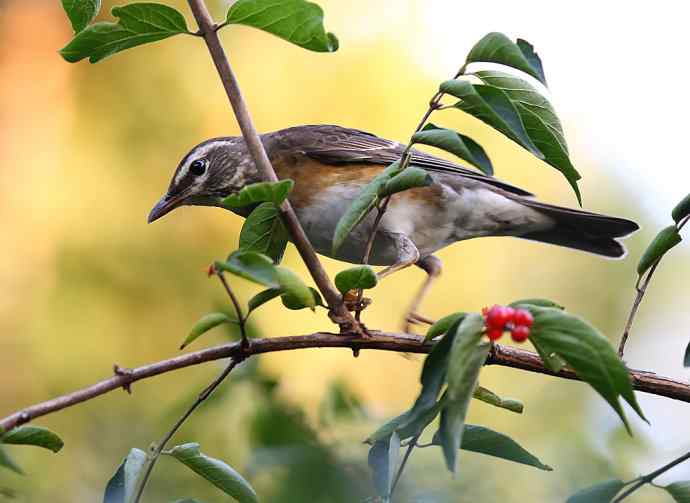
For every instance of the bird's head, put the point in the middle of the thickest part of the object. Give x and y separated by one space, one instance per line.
210 172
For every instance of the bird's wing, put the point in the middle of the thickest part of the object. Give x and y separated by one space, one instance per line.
337 145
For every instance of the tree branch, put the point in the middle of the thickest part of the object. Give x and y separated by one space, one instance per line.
256 149
505 356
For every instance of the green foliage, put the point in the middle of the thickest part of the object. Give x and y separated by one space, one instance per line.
361 276
443 325
250 265
589 354
139 23
383 461
263 231
261 192
540 120
497 48
296 21
681 210
537 303
686 358
458 144
487 396
486 441
603 492
262 297
666 239
410 178
467 356
215 471
493 107
362 205
679 491
122 486
33 435
81 12
296 295
206 323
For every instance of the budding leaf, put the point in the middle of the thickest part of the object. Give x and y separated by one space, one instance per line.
589 354
458 144
383 461
681 210
498 48
260 192
540 120
205 324
362 205
361 276
121 487
139 23
263 231
662 243
603 492
296 21
216 472
493 107
250 265
81 12
487 396
442 325
33 435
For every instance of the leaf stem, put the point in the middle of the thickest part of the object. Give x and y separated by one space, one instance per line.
410 446
241 318
647 479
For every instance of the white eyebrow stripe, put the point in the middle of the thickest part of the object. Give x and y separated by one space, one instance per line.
198 153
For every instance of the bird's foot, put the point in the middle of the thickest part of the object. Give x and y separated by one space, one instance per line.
413 318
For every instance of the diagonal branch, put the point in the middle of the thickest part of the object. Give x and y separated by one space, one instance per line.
505 356
256 149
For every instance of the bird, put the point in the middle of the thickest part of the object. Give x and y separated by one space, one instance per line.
330 165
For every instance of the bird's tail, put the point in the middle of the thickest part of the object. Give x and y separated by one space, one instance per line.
582 230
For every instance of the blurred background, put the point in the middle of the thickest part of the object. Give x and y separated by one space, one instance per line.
86 150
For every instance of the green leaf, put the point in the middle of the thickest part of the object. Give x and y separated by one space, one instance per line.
551 360
361 276
294 303
497 48
681 210
296 21
679 491
33 435
263 231
122 485
261 192
467 356
488 396
662 243
294 289
215 471
589 354
362 205
486 441
81 12
407 424
493 107
603 492
686 358
443 325
410 178
540 121
262 297
383 461
7 462
458 144
206 323
251 265
140 23
537 302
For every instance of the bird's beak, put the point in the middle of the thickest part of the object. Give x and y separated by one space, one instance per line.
164 206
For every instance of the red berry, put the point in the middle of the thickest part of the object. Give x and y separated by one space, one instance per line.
520 333
497 317
211 270
494 333
523 318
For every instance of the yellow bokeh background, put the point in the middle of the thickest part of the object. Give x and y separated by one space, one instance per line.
86 150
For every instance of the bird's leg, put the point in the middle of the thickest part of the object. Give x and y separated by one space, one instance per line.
408 254
432 266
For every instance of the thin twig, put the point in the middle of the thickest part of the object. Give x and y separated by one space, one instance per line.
339 312
241 319
505 356
160 446
647 479
411 445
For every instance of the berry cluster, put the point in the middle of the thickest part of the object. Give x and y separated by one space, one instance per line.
499 319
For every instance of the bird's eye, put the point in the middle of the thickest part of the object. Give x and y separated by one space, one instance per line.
198 167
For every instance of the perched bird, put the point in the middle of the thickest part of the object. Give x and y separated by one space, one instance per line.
331 164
